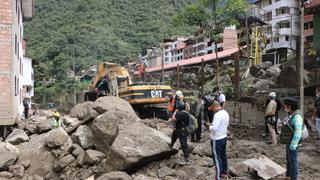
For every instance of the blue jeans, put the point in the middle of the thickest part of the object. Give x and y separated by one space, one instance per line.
292 163
318 125
219 155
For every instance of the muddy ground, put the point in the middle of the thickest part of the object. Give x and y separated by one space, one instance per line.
244 142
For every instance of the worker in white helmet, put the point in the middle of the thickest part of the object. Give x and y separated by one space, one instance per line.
271 119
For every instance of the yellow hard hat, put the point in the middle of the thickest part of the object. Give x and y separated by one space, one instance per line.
57 114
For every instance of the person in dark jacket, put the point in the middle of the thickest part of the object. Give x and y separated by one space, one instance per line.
198 113
26 108
180 131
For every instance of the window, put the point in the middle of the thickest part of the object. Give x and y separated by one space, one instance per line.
287 38
220 49
15 44
166 59
166 53
308 25
209 43
309 39
276 39
266 2
268 29
209 52
284 24
282 10
268 41
267 16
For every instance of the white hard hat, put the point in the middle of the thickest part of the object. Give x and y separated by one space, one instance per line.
273 94
179 93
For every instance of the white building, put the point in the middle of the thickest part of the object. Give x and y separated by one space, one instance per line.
283 27
26 82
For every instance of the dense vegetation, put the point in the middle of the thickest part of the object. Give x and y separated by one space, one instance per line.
75 34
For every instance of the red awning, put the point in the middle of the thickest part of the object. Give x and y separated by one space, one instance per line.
194 60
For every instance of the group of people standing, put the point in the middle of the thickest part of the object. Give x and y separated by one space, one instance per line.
216 120
211 111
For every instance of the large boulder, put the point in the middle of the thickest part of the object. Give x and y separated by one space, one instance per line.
83 111
263 84
137 145
70 121
203 149
84 137
115 175
256 68
44 126
8 155
17 136
121 108
105 130
45 113
273 72
92 157
288 77
40 157
63 162
57 137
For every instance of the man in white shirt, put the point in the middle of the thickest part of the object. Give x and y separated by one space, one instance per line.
219 130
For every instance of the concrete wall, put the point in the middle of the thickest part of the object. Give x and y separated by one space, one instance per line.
11 54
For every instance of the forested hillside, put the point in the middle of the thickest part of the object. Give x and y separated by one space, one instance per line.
85 32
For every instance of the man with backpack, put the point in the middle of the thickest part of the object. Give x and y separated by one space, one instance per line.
219 130
291 134
207 114
198 113
181 120
316 113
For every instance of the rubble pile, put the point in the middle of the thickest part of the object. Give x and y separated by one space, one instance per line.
105 140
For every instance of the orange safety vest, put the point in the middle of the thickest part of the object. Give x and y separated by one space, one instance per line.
171 104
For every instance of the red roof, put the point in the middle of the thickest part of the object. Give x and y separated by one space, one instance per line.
194 60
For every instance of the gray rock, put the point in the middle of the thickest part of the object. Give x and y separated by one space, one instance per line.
17 136
203 149
166 171
8 155
143 177
76 150
80 159
105 130
25 164
44 126
36 177
17 170
255 69
6 174
45 113
167 131
115 175
30 128
261 73
67 120
84 137
82 111
273 72
56 138
130 150
121 108
39 156
63 162
38 118
288 77
92 157
263 84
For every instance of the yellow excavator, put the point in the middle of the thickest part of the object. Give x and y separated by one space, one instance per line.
147 98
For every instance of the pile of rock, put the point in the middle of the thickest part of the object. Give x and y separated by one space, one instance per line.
101 138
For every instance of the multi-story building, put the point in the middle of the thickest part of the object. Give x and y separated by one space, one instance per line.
26 82
283 25
312 25
12 13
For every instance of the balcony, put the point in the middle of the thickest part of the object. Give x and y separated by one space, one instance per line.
28 8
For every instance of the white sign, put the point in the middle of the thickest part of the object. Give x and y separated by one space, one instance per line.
156 94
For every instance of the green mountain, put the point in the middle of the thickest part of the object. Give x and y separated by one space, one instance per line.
75 34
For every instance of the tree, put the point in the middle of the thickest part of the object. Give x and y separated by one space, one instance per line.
212 16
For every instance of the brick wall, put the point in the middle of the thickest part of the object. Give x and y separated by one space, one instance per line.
6 113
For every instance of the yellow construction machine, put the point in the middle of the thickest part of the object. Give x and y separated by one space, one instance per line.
148 99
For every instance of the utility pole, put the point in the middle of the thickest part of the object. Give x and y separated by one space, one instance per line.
301 57
178 76
291 24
